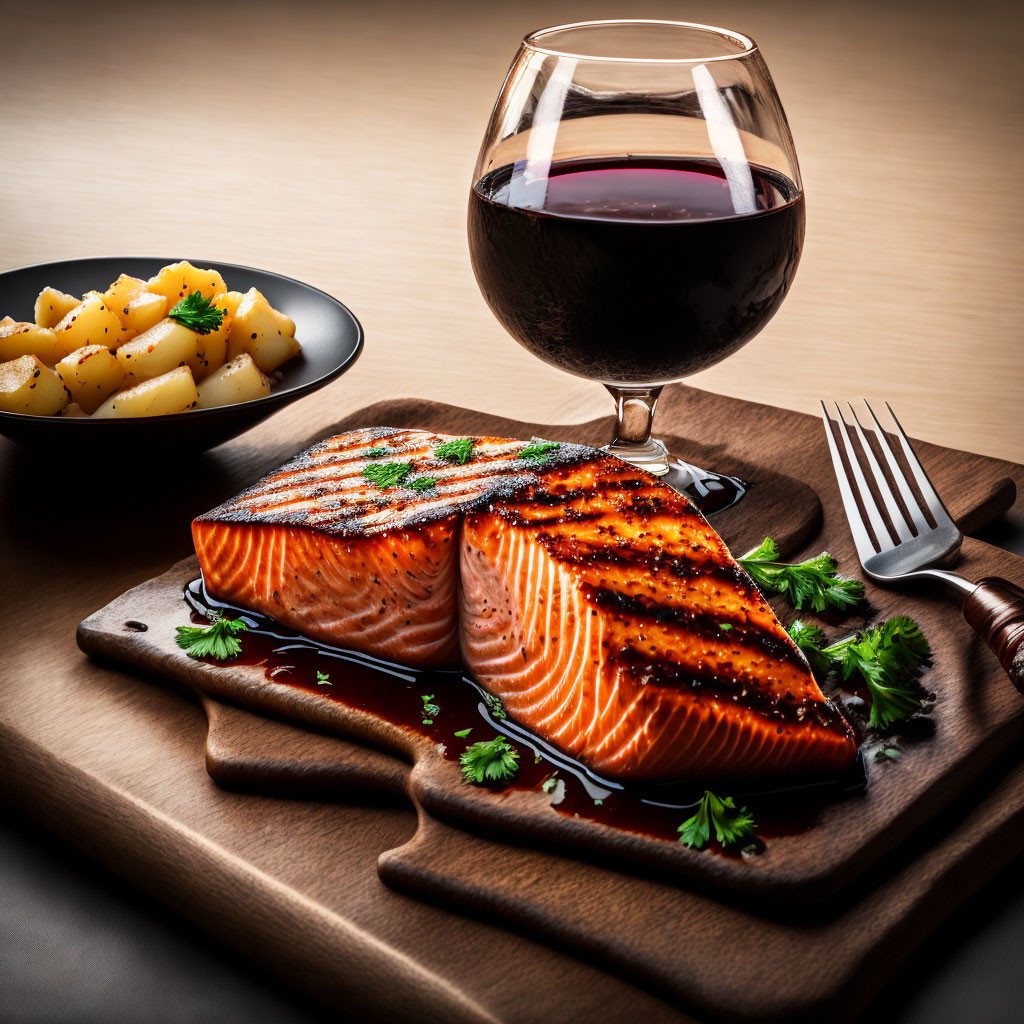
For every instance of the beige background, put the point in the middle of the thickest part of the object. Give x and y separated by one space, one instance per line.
335 143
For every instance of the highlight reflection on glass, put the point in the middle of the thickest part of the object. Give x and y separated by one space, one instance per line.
637 213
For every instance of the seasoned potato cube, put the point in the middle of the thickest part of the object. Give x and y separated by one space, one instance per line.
91 322
143 311
26 385
231 302
29 340
122 291
73 409
52 306
156 351
90 374
176 280
212 348
237 381
162 396
260 330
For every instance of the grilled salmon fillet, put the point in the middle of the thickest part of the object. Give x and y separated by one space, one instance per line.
594 601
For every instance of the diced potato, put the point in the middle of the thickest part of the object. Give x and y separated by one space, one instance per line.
90 374
144 310
212 348
231 302
162 396
156 351
91 322
177 280
29 340
26 385
237 381
261 330
73 409
52 306
122 291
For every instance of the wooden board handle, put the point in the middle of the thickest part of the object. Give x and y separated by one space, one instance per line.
995 611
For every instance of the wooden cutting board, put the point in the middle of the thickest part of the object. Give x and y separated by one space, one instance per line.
975 716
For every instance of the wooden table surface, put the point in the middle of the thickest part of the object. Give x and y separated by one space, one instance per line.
334 142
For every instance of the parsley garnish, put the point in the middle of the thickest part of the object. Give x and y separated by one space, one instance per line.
886 659
458 450
387 474
887 754
548 785
376 453
725 625
539 451
214 641
430 710
197 314
463 733
323 678
731 826
489 761
422 483
494 706
813 582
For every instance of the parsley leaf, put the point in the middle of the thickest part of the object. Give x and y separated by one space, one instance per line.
458 450
376 453
548 785
387 474
813 582
323 678
489 761
886 659
494 706
463 733
214 641
731 827
539 451
422 483
429 708
197 314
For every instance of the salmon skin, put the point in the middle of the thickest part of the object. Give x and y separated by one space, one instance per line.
594 601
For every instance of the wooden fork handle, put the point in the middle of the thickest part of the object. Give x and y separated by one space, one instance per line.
995 611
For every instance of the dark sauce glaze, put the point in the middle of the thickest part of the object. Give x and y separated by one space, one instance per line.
396 694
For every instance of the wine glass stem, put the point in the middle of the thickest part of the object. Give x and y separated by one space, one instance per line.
634 409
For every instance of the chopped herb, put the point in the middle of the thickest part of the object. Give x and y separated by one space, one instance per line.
428 721
429 708
217 640
376 453
458 450
887 754
323 678
489 761
494 706
422 483
387 474
539 451
725 625
463 733
548 785
812 583
536 758
598 803
197 314
886 659
719 813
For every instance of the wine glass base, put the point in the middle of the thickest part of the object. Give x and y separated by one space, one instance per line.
711 492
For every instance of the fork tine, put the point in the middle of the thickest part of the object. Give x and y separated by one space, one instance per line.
883 539
928 492
909 500
861 537
896 517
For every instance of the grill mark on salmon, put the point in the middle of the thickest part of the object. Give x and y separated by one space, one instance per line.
583 593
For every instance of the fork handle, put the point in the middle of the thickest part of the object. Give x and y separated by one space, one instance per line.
995 611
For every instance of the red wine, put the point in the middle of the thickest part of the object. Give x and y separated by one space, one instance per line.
635 270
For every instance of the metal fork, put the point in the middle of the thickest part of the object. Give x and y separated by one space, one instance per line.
914 538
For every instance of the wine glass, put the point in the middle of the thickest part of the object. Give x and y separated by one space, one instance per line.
637 213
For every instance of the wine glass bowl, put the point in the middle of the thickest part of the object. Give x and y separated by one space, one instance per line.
637 212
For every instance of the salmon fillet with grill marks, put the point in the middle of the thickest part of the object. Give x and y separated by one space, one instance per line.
594 601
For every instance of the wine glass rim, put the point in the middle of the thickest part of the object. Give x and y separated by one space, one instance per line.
748 44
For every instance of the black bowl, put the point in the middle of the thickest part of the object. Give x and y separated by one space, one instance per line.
330 336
